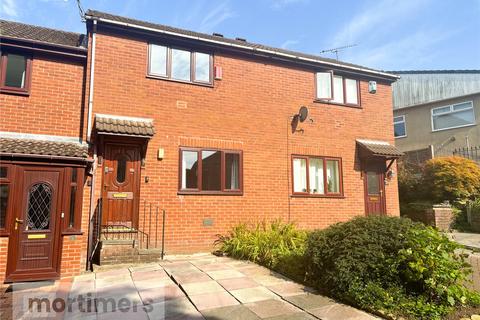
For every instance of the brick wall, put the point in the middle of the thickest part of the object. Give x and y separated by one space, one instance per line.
54 106
249 110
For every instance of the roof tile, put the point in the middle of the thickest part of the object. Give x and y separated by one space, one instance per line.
43 147
29 32
135 127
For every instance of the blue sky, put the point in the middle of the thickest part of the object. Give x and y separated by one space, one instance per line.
390 35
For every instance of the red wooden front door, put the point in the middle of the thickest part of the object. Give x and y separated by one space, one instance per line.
121 185
34 245
374 178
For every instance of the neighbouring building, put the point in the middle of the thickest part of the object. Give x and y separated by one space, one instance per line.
43 220
212 131
436 114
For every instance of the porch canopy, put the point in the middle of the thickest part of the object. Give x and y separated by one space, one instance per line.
375 149
38 148
124 126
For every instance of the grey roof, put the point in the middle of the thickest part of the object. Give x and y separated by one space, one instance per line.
18 146
124 126
238 42
434 71
425 86
21 31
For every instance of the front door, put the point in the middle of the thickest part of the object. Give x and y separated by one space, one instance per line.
34 246
121 185
374 178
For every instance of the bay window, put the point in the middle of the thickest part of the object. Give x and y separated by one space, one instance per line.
210 171
179 64
337 89
317 176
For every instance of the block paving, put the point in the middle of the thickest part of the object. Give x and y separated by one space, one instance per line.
183 287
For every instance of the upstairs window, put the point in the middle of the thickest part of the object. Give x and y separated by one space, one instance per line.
399 127
210 171
180 64
15 72
337 89
453 116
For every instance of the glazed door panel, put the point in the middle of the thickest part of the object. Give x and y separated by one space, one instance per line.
34 248
374 179
121 181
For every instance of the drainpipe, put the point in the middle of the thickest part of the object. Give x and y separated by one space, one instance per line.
89 135
92 75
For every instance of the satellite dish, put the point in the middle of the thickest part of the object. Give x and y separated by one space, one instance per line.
302 113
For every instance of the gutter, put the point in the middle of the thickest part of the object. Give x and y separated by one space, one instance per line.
238 46
92 76
49 44
49 157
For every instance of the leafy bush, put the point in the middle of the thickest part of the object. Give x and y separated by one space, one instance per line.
410 184
452 178
277 245
391 265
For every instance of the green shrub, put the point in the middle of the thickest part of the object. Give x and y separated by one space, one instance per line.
389 264
451 178
277 245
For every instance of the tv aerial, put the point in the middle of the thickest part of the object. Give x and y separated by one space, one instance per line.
336 50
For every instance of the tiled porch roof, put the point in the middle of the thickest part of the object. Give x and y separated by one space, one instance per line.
14 146
380 148
110 124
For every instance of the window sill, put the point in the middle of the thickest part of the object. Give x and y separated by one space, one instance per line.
400 137
317 196
356 106
208 85
210 193
15 92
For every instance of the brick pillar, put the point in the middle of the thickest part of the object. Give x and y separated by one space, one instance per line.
442 215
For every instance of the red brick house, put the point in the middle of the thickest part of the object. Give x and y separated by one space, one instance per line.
211 130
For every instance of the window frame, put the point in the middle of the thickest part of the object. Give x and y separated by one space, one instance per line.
330 100
452 111
8 180
404 121
168 75
327 194
3 71
198 190
75 229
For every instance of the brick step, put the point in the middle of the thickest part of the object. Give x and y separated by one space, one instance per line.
125 251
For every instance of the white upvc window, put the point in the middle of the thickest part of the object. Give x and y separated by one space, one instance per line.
337 89
453 116
400 126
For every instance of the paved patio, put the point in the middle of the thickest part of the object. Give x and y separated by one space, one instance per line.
193 287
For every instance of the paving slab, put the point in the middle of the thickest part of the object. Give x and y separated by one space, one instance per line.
202 287
272 308
270 280
155 283
149 274
154 295
213 300
253 294
295 316
180 308
110 281
225 274
340 311
238 283
131 314
239 312
309 301
290 289
214 267
190 277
